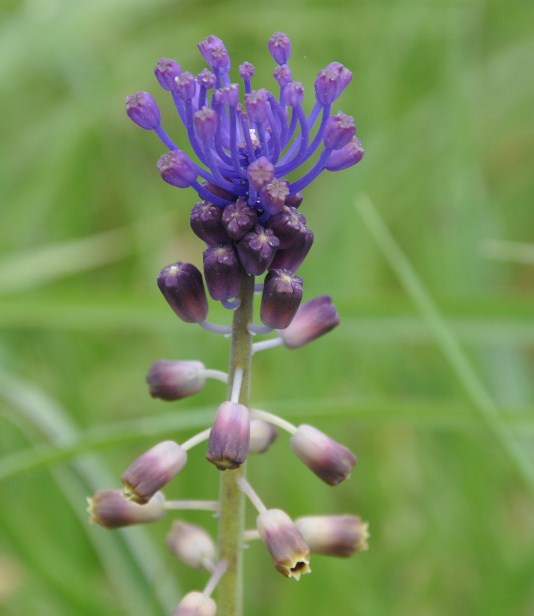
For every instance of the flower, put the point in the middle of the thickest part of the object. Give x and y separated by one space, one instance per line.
289 551
246 142
111 509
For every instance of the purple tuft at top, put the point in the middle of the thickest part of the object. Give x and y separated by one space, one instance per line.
247 139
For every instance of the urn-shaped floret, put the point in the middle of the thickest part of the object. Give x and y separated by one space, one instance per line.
111 509
181 285
290 553
191 544
195 603
334 535
229 436
152 470
313 319
222 271
281 297
143 110
328 459
174 379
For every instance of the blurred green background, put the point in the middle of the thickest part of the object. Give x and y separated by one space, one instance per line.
428 379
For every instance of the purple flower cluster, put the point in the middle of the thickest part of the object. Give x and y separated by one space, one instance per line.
247 141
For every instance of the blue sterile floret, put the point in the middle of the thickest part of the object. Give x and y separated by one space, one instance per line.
247 142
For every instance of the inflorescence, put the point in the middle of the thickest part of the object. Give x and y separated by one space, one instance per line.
247 146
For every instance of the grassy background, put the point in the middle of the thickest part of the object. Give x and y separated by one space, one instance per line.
429 378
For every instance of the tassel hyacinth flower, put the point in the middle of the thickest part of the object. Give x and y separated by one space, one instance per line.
251 154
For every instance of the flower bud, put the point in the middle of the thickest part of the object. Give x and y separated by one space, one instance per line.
294 93
262 435
347 156
195 603
152 470
191 544
143 110
222 271
206 79
214 52
229 436
246 70
313 319
181 285
294 200
334 535
238 219
282 74
331 82
111 509
166 72
273 195
339 130
185 85
328 459
281 297
279 47
174 380
206 222
291 258
289 226
256 250
257 105
205 121
284 541
260 172
176 168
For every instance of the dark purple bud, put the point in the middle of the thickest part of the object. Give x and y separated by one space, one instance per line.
196 603
348 156
111 509
291 258
152 470
166 72
222 271
191 544
280 47
214 52
260 172
205 121
273 195
229 436
174 380
181 285
256 250
257 105
238 219
176 168
185 85
294 93
313 319
328 459
294 200
334 535
288 225
282 74
281 297
206 79
339 131
206 222
246 70
143 110
289 551
262 435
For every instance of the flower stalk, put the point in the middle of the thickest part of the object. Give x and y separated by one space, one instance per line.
232 506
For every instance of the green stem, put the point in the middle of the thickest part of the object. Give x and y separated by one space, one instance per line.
232 506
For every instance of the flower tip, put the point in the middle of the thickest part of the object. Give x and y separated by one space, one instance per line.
143 110
279 47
